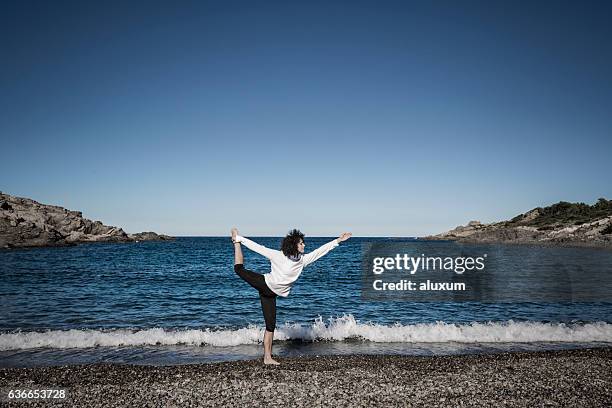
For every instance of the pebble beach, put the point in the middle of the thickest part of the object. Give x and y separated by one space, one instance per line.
578 378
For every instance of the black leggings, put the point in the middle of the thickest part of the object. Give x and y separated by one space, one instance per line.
267 297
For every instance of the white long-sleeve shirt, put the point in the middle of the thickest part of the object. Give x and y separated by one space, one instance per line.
285 271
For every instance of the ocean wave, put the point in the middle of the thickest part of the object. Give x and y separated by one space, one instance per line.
334 329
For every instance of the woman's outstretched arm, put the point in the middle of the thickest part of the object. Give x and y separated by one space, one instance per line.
324 249
260 249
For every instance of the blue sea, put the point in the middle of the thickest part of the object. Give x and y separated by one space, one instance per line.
180 302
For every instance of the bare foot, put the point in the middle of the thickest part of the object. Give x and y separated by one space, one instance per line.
234 233
270 361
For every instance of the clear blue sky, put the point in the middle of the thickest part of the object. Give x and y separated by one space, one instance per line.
381 118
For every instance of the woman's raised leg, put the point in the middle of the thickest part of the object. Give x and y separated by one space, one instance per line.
238 258
268 299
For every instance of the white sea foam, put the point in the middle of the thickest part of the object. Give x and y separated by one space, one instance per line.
336 329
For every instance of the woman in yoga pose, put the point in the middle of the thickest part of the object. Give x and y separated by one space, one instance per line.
286 266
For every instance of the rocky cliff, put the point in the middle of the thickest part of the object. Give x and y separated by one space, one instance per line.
27 223
565 224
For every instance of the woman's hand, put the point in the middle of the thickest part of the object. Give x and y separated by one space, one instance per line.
344 236
234 233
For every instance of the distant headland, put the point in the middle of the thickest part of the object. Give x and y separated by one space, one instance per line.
561 224
28 223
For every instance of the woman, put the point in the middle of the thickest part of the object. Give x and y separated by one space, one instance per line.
286 266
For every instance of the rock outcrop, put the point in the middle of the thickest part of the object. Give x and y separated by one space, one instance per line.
27 223
564 224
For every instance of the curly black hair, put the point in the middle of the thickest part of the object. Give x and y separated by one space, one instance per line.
290 243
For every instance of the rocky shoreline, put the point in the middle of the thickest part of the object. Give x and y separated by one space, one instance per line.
28 223
562 224
577 378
